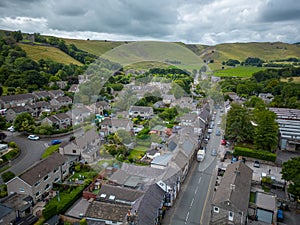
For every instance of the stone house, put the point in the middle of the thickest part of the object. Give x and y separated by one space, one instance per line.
39 178
8 101
143 111
60 120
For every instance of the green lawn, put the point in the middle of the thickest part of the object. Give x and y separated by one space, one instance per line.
136 154
50 150
241 71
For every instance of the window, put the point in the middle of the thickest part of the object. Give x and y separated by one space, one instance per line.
21 190
46 177
56 179
216 209
37 194
37 183
47 186
230 216
74 151
55 170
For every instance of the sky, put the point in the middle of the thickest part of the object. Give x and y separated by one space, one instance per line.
207 22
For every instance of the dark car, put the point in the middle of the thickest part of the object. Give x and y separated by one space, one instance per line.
55 142
256 164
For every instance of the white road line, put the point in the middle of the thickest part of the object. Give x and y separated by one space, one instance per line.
187 216
199 180
192 202
196 189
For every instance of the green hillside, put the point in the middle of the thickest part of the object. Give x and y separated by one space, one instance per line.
37 52
240 51
93 46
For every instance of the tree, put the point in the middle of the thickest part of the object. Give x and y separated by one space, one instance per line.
266 131
7 176
24 122
17 35
1 90
290 173
239 127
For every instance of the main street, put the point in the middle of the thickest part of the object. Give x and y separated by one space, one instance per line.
193 203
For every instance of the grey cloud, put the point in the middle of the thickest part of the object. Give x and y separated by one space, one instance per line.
278 10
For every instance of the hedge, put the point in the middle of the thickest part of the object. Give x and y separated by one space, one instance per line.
257 154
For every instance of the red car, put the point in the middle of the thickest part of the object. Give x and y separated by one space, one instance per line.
223 142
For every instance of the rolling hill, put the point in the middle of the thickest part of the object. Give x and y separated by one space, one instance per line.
37 52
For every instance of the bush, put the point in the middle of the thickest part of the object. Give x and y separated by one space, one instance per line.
7 176
257 154
50 211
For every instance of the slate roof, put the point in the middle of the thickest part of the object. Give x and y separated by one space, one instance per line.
145 109
18 109
61 116
42 168
239 175
9 98
42 94
181 159
162 160
142 171
121 194
115 122
147 207
5 210
107 211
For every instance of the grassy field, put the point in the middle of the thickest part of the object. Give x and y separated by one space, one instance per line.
241 71
93 46
36 53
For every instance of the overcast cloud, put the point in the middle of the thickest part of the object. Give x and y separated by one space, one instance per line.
191 21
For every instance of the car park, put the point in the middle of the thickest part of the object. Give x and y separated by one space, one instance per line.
55 142
214 152
33 137
256 164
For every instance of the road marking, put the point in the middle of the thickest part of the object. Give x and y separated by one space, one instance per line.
192 202
196 189
207 194
187 217
199 180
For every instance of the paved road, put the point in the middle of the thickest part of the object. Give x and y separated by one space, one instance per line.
31 151
193 203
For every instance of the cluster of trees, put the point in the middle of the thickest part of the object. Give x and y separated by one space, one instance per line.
257 126
286 94
18 70
231 62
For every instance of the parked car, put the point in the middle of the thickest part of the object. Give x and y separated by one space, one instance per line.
11 129
214 152
218 133
234 159
55 142
256 164
33 137
223 142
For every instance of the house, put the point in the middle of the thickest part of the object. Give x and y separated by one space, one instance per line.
60 120
8 101
143 111
22 206
112 125
79 114
74 88
37 108
39 178
159 130
266 97
189 119
60 101
101 106
56 93
71 151
42 95
231 199
162 161
13 112
89 145
7 214
168 99
264 208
